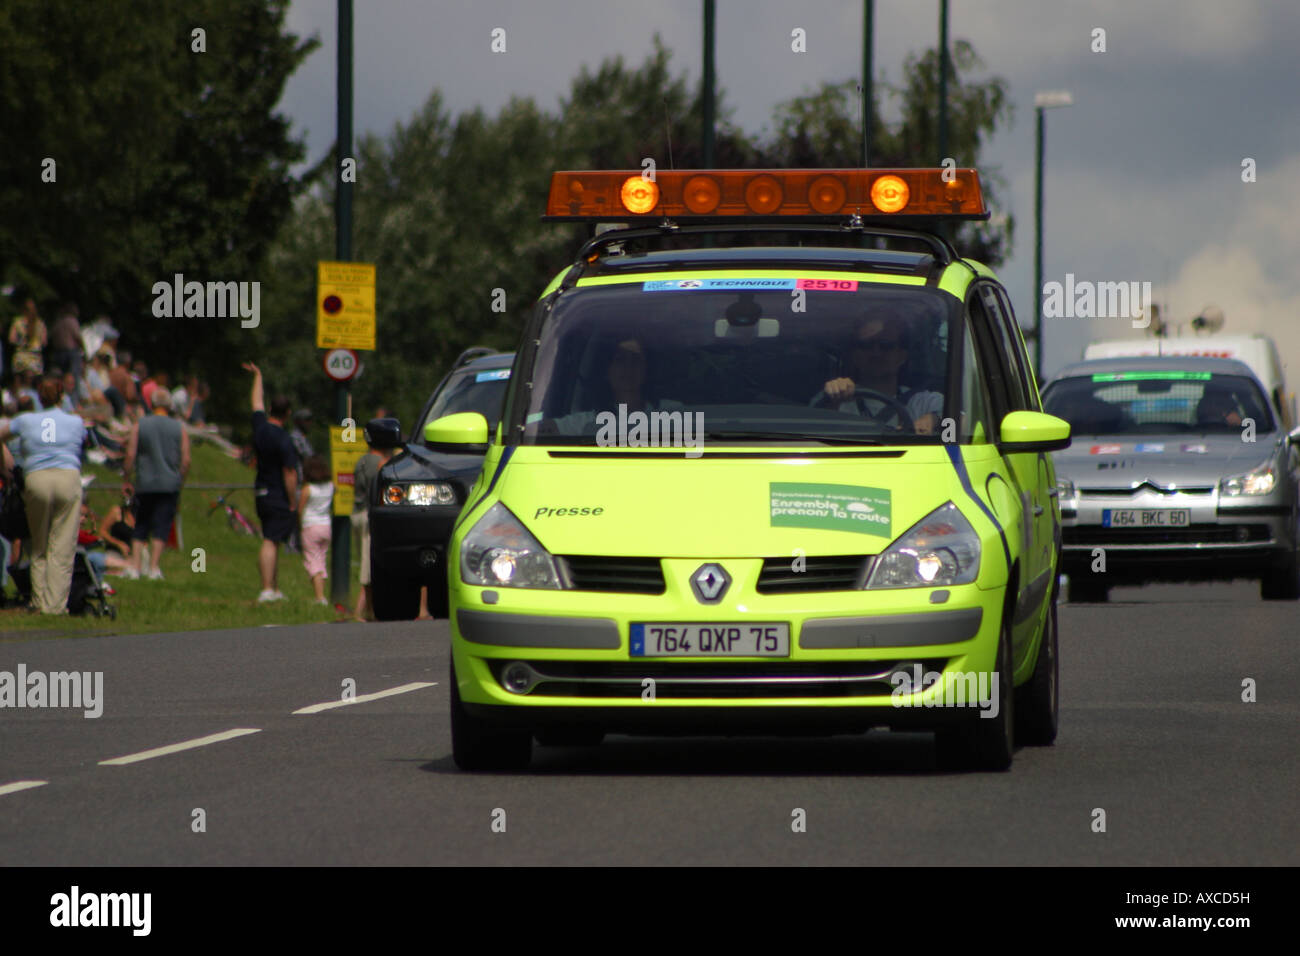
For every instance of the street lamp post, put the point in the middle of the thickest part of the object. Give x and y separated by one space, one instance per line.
1042 101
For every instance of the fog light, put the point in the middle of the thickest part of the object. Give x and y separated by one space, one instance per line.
517 678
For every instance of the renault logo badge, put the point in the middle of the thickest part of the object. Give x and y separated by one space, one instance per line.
710 583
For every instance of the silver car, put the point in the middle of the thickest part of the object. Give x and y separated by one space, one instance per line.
1179 471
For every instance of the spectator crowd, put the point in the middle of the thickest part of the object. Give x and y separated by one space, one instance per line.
71 393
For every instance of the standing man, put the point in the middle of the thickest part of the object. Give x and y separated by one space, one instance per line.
276 484
364 476
159 451
49 443
302 446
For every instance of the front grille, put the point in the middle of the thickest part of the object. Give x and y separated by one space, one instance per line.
1092 535
1145 486
683 680
822 573
613 574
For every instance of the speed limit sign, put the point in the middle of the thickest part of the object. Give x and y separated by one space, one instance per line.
341 364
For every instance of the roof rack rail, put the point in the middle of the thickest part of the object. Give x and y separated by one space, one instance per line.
477 351
943 251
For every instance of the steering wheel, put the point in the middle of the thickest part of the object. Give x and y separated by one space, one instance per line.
882 416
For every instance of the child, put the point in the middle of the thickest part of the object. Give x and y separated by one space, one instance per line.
314 501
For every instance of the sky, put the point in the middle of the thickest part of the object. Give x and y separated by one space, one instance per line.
1143 177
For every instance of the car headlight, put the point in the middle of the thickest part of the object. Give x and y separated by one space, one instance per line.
499 552
1064 488
425 493
941 549
1258 482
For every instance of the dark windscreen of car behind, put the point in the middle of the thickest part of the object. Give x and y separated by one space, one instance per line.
1158 403
482 391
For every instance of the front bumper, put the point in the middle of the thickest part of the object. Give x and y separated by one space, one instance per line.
410 543
846 649
1226 538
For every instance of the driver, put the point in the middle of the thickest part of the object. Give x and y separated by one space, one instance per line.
878 355
1217 407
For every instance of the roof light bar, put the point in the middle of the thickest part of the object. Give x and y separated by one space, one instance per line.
626 195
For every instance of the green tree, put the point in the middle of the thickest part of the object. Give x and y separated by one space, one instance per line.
167 159
823 130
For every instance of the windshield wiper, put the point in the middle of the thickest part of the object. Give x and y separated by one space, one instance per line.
790 436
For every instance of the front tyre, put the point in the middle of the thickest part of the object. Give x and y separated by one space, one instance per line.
979 742
1282 583
476 745
1038 701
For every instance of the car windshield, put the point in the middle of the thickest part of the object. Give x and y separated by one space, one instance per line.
1158 402
479 391
865 363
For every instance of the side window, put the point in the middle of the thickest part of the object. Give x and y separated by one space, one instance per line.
1016 390
1018 342
976 418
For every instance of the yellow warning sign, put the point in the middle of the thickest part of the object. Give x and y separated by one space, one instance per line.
345 305
344 456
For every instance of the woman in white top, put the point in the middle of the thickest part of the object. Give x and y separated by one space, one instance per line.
314 507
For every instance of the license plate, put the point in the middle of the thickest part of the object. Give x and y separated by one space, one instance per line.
709 640
1144 518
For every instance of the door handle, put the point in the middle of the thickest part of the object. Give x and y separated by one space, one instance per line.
1038 509
1053 492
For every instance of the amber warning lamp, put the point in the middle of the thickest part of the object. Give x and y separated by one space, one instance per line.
821 194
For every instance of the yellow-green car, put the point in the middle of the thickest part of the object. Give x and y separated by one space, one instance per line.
776 489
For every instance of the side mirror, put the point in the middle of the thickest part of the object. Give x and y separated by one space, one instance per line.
1294 436
384 433
1033 432
463 428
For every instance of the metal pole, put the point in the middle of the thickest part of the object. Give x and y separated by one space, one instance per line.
943 79
709 83
341 526
868 16
1038 247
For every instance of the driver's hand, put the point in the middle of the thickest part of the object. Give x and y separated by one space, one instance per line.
840 389
925 424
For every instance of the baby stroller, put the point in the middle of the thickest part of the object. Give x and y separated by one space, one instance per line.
88 594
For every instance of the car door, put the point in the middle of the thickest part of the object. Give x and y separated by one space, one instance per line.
1012 389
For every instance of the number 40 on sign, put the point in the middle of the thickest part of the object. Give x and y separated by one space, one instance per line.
341 364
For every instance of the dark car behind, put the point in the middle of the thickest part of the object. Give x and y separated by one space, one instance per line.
420 491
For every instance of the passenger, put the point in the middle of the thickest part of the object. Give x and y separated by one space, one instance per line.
879 354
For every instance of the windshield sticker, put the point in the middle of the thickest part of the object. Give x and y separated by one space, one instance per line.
534 417
1149 376
675 285
495 375
1151 448
1196 449
1104 450
816 285
830 507
829 285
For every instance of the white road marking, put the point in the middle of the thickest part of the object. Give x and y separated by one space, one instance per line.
330 704
21 785
183 745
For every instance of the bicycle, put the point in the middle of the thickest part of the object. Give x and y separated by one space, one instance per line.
234 517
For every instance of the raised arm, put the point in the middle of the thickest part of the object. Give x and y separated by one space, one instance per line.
257 398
